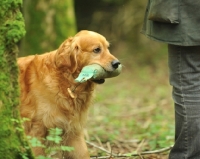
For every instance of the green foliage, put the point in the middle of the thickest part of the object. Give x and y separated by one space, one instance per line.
12 24
35 142
13 144
54 137
43 157
66 148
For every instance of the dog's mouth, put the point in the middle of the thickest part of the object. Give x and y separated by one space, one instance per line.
99 81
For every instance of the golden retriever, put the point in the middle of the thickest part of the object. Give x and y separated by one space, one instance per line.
46 81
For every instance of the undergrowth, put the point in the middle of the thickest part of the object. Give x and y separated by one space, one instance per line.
55 138
135 106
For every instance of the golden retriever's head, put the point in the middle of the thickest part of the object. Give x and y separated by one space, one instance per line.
85 48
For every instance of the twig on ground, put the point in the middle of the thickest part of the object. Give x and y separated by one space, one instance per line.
126 155
108 146
139 148
156 151
141 156
99 141
129 141
100 148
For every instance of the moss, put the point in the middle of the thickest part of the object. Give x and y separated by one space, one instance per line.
13 145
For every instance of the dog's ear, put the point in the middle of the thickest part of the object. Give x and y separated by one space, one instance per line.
66 55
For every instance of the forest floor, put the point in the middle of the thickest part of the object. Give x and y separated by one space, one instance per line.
132 115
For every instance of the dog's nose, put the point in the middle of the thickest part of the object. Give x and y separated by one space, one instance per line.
115 64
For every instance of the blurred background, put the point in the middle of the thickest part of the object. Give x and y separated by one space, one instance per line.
132 112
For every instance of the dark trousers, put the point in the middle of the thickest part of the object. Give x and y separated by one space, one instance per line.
184 67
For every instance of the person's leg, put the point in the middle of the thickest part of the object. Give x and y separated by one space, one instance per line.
184 67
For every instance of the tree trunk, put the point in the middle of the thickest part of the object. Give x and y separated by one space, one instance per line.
48 24
13 144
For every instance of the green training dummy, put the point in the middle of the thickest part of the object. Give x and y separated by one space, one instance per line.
96 72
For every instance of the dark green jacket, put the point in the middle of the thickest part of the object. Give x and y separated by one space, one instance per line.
173 21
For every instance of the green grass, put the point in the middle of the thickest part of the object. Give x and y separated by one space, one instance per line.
136 105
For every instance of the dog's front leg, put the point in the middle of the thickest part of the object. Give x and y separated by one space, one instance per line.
80 148
37 130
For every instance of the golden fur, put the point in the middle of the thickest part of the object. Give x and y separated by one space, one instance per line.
44 82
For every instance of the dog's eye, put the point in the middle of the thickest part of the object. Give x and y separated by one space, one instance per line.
97 50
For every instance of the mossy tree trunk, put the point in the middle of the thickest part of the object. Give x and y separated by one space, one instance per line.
48 24
13 144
